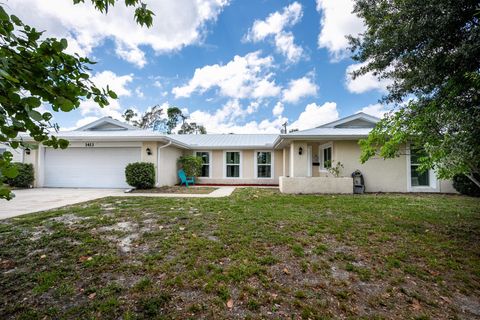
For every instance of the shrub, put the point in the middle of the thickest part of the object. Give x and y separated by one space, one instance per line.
335 171
25 176
140 175
192 165
464 185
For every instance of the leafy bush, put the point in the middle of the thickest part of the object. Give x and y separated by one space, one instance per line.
192 165
335 171
25 176
140 175
464 185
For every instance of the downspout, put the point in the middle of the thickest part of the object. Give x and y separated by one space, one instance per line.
158 160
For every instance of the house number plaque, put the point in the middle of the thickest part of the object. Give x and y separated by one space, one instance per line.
89 144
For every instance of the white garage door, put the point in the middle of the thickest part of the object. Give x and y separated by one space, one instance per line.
88 167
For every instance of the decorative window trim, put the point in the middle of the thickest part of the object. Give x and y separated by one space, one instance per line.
225 164
320 153
255 164
434 182
210 161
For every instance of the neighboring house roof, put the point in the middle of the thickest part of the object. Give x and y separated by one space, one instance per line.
226 141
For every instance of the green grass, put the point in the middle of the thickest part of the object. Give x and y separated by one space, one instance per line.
273 255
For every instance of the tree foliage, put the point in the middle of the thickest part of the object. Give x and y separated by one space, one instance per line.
430 50
143 16
35 73
192 165
162 120
192 128
174 115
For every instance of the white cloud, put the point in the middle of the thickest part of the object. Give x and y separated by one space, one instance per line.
274 25
80 123
315 115
86 28
131 54
337 21
228 119
119 84
246 76
139 93
278 109
299 88
253 107
377 110
115 83
365 82
91 108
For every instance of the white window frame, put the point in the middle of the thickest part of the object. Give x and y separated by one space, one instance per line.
255 164
225 164
321 159
209 162
432 177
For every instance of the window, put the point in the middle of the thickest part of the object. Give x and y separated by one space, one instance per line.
264 164
232 164
326 156
418 179
205 172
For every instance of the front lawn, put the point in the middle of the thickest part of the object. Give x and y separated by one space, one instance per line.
256 254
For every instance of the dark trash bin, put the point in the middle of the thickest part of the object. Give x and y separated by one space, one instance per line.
358 182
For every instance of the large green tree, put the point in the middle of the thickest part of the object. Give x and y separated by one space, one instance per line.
36 71
430 49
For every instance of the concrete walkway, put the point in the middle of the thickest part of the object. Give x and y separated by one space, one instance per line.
41 199
221 192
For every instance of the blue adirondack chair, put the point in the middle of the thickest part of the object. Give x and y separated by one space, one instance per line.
184 179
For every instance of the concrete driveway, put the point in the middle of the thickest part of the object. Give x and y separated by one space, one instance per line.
40 199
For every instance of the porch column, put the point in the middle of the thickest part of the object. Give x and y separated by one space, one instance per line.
298 162
286 161
41 165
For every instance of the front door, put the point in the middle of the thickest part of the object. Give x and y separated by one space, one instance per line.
309 160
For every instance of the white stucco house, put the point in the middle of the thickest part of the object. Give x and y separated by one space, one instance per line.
297 161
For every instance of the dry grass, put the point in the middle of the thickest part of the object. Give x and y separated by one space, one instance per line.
257 254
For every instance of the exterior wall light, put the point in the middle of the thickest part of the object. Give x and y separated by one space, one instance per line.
149 151
300 151
27 151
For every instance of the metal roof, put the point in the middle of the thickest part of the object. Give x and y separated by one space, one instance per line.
229 141
359 115
213 141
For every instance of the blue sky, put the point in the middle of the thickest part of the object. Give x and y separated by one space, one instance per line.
234 66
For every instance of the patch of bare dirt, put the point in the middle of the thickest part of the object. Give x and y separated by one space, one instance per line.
69 219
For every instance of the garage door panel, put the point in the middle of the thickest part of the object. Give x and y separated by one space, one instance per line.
88 167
